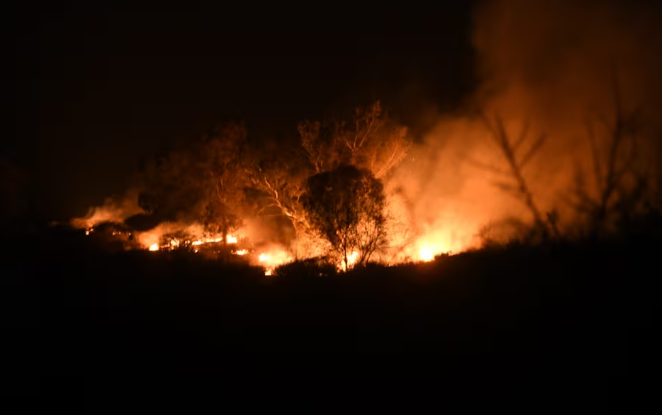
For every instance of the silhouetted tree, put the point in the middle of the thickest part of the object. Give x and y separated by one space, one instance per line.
321 146
517 154
346 206
204 183
370 140
221 155
619 185
282 178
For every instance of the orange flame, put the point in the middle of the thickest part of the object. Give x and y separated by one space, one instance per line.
426 254
351 261
272 259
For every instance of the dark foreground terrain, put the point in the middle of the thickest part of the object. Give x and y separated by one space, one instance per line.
80 322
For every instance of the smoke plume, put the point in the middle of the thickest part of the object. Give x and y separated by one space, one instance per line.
113 210
550 66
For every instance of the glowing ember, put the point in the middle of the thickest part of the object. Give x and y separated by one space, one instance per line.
196 243
242 252
231 239
87 232
174 243
154 247
426 254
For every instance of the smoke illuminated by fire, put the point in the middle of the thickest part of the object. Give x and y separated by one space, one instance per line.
548 69
111 211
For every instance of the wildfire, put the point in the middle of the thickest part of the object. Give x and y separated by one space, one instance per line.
157 240
162 238
191 237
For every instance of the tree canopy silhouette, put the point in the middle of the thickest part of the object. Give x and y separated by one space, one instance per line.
346 206
203 183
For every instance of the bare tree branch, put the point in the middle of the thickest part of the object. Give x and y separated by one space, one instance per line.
522 136
520 189
488 167
595 155
612 167
532 151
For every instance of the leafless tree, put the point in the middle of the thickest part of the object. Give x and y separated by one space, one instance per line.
282 180
203 181
614 152
369 140
518 154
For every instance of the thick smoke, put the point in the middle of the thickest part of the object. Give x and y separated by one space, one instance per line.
554 64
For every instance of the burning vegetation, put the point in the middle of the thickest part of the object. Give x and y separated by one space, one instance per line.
547 148
326 197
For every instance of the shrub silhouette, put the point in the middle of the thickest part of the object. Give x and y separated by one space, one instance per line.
306 269
346 206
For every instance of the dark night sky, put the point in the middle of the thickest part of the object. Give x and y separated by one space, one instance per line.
98 88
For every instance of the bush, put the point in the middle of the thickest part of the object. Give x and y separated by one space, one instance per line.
307 268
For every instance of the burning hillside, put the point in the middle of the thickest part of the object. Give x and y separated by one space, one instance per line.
549 146
175 237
